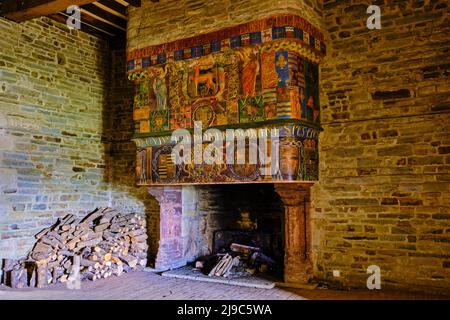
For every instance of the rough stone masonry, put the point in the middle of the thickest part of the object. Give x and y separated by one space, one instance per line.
383 197
60 97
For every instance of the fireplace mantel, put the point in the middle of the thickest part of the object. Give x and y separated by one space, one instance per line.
257 79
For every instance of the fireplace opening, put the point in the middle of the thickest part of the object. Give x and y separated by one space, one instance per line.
202 225
213 220
244 221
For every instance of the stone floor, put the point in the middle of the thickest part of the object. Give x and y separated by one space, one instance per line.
150 286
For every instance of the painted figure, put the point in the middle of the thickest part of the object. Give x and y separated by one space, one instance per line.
249 70
295 103
203 78
160 89
282 67
311 103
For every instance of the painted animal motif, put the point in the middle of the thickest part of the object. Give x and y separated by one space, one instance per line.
221 77
206 78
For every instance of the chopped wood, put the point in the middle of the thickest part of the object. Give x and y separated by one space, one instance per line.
105 241
90 243
42 279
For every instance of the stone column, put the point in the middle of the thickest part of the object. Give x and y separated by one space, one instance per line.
170 249
297 232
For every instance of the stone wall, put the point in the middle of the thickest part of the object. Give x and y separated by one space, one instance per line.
383 196
65 124
52 160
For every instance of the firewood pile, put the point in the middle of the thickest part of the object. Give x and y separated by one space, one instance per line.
102 244
239 260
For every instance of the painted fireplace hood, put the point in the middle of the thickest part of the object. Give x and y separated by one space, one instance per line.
261 75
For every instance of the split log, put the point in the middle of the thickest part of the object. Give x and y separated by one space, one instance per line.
88 263
102 227
217 266
41 280
243 249
90 243
19 278
130 260
92 216
40 255
234 263
225 266
66 253
42 233
259 256
139 238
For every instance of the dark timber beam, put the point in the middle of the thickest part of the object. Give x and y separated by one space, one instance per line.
105 16
112 7
134 3
28 9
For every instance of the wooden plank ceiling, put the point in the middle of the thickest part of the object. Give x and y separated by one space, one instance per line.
105 18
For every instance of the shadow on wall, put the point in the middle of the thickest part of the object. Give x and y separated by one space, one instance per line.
120 152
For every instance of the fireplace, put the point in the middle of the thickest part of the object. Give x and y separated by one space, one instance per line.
191 217
224 114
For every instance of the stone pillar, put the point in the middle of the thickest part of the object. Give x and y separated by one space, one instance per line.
297 232
170 249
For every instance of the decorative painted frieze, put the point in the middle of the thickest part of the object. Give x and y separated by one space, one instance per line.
261 75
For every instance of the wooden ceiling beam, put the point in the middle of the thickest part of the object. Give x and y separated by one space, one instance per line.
134 3
112 7
62 17
105 16
29 9
115 37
